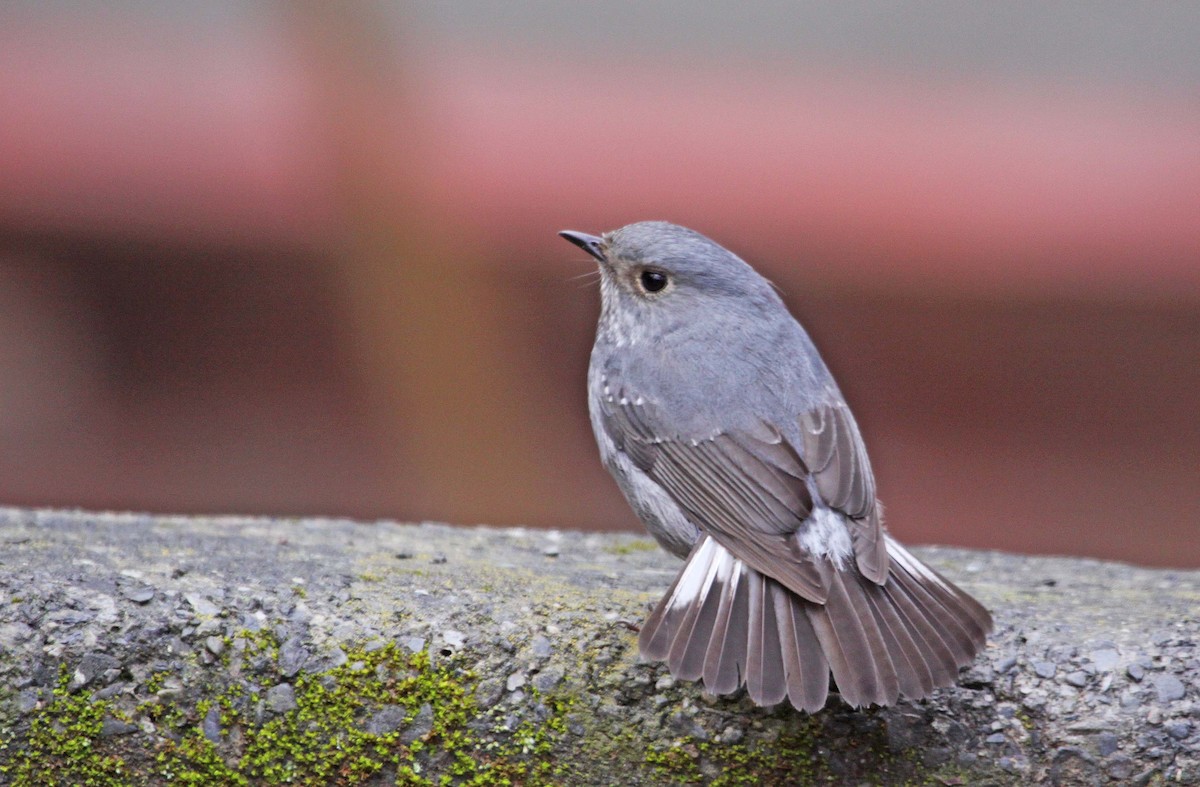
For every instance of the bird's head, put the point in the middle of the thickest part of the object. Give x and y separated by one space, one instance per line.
657 277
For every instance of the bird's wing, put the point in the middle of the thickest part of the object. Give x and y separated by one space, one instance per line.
837 459
747 487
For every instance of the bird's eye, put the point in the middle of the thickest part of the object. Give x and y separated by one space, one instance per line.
653 280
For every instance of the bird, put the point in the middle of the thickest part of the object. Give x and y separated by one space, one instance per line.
733 444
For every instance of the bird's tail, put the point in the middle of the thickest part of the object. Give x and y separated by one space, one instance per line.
727 624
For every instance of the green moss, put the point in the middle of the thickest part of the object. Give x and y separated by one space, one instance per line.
324 739
62 744
195 761
260 642
155 682
677 763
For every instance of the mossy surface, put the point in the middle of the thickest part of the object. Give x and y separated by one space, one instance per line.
439 734
144 650
64 745
806 751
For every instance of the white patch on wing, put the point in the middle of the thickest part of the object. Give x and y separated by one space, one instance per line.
827 534
910 563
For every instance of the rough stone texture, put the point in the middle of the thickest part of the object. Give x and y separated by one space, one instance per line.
1092 675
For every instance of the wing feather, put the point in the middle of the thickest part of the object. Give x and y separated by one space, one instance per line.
834 451
748 487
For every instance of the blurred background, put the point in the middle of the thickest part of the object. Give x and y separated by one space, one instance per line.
300 258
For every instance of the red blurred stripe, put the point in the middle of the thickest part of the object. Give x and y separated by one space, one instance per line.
1003 187
1056 188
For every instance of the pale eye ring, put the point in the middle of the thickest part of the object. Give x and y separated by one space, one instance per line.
653 280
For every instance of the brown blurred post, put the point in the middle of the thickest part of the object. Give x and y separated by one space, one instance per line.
426 327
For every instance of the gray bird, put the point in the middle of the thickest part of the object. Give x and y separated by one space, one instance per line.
732 443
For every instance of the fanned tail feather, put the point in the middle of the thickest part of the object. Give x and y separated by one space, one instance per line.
727 624
857 651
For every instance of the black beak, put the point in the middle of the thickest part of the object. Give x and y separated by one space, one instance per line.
589 243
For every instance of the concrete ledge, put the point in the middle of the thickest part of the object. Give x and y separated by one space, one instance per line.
155 650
